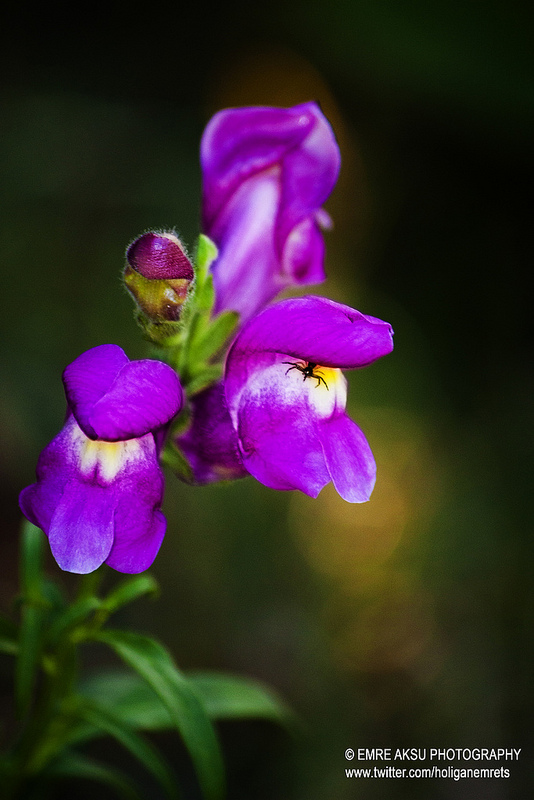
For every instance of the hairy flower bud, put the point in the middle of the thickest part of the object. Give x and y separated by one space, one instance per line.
158 274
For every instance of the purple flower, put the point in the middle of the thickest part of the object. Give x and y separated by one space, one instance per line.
210 444
266 172
286 395
99 486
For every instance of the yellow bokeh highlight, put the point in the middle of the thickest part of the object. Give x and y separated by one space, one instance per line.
376 610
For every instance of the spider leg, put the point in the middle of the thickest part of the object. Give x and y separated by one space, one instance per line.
293 366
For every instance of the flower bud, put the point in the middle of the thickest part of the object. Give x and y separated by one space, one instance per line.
158 275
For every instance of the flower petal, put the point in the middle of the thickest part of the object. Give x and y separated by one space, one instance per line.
139 523
210 444
138 537
114 399
56 465
240 142
266 172
245 273
81 529
349 459
89 377
278 435
312 329
146 395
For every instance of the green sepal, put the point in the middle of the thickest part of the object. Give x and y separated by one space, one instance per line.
154 664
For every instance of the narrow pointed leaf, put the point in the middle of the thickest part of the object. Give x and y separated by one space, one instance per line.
205 255
234 697
175 460
205 295
224 697
32 615
108 721
74 765
72 616
154 664
31 562
129 696
129 590
9 633
202 380
213 339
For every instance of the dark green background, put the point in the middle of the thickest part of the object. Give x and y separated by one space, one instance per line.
405 622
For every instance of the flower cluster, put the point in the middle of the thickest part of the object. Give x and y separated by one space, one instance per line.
263 389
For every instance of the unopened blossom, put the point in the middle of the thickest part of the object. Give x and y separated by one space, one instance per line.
266 173
158 275
99 486
286 395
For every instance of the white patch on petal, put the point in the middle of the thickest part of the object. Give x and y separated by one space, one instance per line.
292 386
106 459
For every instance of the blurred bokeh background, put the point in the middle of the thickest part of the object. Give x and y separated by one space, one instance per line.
404 622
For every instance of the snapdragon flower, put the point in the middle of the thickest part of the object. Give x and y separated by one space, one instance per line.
266 173
281 409
99 486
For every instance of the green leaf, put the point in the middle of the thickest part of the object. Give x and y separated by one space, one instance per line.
129 696
71 617
234 697
175 460
9 634
205 295
31 561
214 337
129 590
104 719
74 765
224 697
205 255
8 646
209 375
155 665
33 612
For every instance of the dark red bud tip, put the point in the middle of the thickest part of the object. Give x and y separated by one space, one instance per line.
159 256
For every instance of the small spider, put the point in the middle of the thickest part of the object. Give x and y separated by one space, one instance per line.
307 371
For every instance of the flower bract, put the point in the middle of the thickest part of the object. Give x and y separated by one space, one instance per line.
266 173
99 486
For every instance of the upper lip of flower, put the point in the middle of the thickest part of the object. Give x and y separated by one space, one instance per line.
292 433
113 398
277 165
